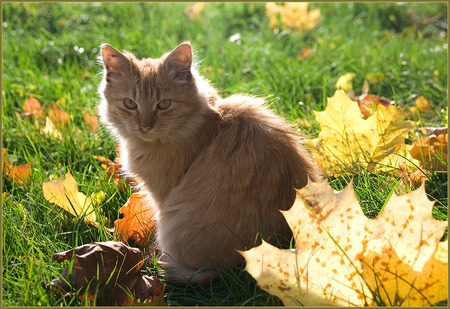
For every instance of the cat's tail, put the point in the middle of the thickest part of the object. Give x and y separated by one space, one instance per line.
180 274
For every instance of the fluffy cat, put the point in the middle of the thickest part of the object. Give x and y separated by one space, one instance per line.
217 170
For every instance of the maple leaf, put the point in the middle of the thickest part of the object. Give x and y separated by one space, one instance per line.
138 222
110 270
294 15
347 140
65 194
342 256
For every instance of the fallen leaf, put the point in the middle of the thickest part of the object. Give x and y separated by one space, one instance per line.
18 173
432 151
306 51
113 169
50 130
138 221
21 173
347 142
434 130
108 272
344 82
368 103
91 121
293 15
340 253
58 116
193 11
33 107
414 179
65 194
422 104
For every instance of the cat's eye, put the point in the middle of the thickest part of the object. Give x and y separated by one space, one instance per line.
164 104
130 104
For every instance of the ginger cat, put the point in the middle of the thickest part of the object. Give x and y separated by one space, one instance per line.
216 170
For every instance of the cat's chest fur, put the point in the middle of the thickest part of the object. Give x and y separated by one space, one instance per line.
161 166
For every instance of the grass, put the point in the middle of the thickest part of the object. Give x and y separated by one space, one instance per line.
50 51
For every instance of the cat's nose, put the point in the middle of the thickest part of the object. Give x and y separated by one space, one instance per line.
144 130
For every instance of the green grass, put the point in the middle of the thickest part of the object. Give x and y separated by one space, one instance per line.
50 51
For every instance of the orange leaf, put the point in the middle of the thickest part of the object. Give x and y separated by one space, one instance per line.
33 107
138 222
368 103
431 151
58 116
91 121
21 173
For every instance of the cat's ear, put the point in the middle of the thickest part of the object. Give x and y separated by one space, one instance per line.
115 63
179 61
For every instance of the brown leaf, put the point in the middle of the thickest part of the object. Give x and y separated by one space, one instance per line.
413 179
91 121
109 270
138 222
432 151
33 107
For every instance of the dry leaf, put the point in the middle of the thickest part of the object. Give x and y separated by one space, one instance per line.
344 82
58 116
33 107
91 121
109 273
413 179
65 194
422 104
368 103
50 130
306 51
334 240
347 141
18 173
113 169
294 15
193 11
138 222
432 151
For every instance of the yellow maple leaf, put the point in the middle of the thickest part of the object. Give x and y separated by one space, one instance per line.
342 257
347 141
65 194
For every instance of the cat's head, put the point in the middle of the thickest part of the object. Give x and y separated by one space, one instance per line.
149 99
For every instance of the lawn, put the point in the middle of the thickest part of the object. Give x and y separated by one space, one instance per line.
50 51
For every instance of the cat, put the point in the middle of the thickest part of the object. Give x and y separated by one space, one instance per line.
217 170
